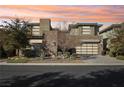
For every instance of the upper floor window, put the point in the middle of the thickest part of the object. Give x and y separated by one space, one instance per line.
36 27
36 31
86 30
74 31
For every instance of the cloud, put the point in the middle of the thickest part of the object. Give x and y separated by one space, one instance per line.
94 13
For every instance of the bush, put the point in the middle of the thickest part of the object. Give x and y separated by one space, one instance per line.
120 51
42 56
17 60
29 53
107 52
63 55
59 53
73 56
66 54
2 53
104 52
112 52
120 57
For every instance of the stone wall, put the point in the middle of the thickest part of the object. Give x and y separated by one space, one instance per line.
59 39
51 41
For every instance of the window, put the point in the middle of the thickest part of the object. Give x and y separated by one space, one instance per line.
74 31
36 27
36 31
86 27
86 30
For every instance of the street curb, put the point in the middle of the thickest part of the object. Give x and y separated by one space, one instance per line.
60 64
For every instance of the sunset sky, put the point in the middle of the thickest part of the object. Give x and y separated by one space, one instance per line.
92 13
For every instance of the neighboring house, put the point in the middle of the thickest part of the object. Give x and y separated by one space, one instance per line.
82 38
105 33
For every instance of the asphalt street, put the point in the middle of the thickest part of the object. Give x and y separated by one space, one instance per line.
12 74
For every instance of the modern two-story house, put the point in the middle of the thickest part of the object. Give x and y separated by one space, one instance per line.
81 37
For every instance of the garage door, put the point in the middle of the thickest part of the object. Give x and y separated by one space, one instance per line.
87 48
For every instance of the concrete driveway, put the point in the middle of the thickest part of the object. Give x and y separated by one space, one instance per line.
101 59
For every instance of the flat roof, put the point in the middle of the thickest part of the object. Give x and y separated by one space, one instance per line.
110 27
33 24
90 40
84 24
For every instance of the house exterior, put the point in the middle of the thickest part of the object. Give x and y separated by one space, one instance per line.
81 37
55 40
105 33
36 31
84 38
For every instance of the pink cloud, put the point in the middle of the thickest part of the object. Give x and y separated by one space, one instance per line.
64 13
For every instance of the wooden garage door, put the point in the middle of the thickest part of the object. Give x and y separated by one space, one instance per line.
87 48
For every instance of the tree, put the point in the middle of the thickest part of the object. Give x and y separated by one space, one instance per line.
116 44
63 26
3 36
17 35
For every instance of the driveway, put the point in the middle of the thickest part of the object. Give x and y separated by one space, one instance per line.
101 59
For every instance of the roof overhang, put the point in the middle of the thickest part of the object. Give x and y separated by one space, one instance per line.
109 28
90 40
33 24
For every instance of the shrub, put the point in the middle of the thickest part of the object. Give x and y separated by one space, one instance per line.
120 57
59 53
104 52
107 52
112 52
2 53
29 53
17 60
73 56
66 54
42 56
120 51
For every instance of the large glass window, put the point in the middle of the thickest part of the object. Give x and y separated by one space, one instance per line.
36 31
86 30
36 27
